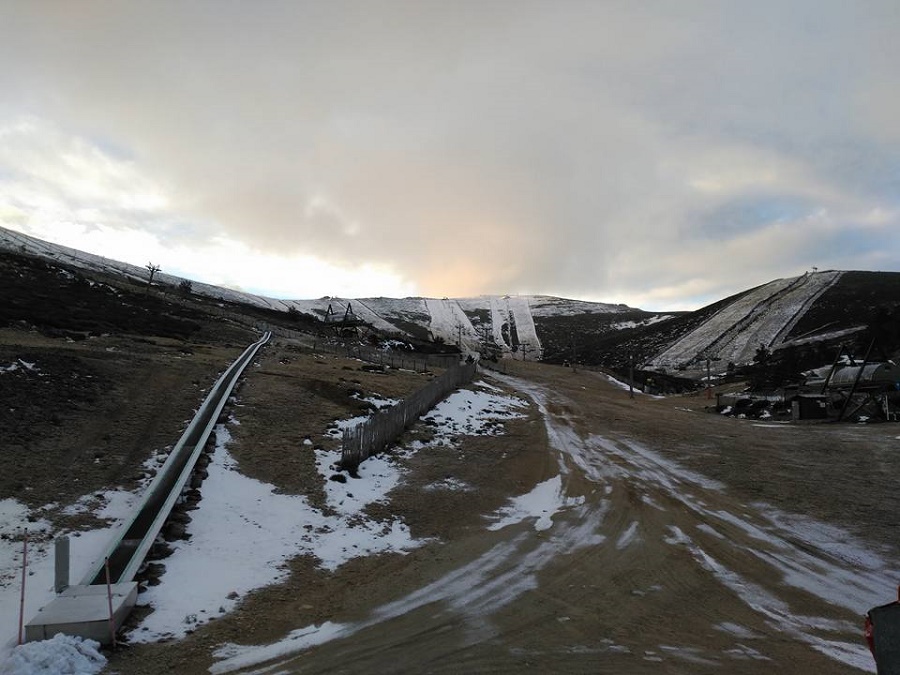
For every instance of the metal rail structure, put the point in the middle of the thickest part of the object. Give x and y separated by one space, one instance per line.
81 609
130 547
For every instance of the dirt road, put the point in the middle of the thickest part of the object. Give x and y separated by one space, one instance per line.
669 540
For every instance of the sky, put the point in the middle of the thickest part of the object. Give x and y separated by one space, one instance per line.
660 154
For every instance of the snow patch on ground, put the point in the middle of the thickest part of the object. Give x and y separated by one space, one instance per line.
244 532
541 503
14 519
60 655
689 654
474 412
86 549
19 364
629 536
378 475
475 591
736 630
338 426
621 385
376 401
451 484
742 652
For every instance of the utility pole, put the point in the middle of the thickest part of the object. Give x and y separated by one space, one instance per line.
574 353
631 375
708 381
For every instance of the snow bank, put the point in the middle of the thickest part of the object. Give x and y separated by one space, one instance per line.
60 655
86 547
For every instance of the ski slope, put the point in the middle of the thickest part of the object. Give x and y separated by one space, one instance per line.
763 316
450 322
449 319
521 312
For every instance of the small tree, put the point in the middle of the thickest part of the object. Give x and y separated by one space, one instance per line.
185 287
153 269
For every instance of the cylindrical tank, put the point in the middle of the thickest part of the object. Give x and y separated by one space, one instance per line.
880 375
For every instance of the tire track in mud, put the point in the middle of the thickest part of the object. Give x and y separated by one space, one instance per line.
783 559
467 595
645 565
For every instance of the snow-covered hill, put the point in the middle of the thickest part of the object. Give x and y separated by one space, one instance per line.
508 320
763 316
791 311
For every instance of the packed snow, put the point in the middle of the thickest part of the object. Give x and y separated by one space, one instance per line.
86 549
450 323
764 315
60 655
528 337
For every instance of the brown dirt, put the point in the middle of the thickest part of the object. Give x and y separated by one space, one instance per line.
608 588
646 607
91 412
293 397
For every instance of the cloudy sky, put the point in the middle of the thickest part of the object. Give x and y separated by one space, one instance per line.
661 154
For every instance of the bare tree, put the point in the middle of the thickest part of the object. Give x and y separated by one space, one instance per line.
153 269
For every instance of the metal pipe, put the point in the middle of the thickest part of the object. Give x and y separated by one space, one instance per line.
137 535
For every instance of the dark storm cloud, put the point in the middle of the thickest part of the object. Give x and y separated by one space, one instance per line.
586 149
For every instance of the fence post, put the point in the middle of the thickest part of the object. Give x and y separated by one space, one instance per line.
22 597
61 560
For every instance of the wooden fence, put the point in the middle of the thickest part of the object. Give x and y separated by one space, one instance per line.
408 360
380 430
396 359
